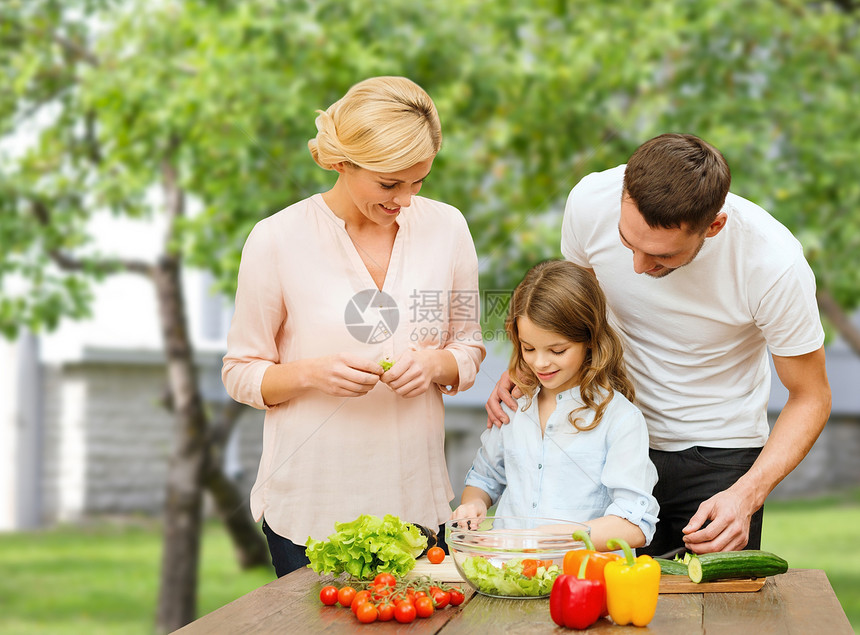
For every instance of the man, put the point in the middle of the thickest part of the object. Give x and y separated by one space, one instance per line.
715 282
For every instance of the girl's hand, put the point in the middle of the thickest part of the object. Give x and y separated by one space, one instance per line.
474 509
344 375
413 373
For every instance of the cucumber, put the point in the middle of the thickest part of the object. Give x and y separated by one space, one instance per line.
735 564
671 567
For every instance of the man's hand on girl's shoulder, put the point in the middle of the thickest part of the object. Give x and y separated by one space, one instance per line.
506 392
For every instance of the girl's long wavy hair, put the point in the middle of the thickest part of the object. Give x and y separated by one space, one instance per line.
564 298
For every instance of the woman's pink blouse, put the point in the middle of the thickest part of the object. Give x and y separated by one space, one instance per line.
303 292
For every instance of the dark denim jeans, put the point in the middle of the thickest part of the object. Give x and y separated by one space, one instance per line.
687 478
287 556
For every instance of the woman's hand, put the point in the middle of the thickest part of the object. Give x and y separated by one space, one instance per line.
413 373
343 375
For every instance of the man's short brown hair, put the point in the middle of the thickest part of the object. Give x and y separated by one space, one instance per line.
677 180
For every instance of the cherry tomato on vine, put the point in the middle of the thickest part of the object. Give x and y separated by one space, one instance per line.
440 598
345 596
367 613
362 597
435 555
424 606
328 595
404 612
457 597
408 595
385 578
385 611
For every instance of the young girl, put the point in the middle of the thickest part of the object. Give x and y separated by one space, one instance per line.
577 448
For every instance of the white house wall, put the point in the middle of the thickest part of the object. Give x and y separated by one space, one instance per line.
21 442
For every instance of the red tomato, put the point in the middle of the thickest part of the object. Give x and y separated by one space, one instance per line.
386 611
435 555
362 597
385 578
381 591
367 613
530 567
440 598
424 606
345 596
328 595
457 597
404 612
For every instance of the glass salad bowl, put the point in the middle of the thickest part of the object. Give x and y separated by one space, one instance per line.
511 557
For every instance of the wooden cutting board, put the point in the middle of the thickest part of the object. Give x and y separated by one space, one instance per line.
683 584
446 571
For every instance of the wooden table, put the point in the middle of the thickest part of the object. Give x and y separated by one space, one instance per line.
800 601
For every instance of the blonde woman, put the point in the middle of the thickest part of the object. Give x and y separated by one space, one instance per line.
328 288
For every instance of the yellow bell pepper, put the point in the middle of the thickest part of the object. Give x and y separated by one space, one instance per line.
632 586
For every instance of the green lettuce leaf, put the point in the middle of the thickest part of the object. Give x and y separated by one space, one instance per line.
366 546
509 579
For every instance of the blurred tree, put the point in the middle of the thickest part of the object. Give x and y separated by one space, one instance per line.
136 107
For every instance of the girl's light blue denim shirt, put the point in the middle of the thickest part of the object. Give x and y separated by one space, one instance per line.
569 474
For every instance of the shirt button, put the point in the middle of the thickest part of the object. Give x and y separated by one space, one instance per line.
534 505
540 465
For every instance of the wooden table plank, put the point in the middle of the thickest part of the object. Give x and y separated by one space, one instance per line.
810 603
291 605
763 612
677 614
800 601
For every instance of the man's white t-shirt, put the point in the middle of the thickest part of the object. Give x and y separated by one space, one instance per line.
696 341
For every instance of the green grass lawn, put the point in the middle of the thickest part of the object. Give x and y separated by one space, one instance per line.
103 578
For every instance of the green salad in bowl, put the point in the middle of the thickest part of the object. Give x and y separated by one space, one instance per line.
511 557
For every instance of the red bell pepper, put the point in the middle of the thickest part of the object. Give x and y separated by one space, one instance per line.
597 561
575 601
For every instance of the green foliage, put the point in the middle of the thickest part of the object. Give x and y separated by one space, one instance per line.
532 97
